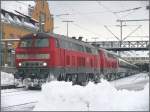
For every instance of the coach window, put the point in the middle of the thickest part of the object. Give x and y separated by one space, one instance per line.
81 48
88 50
95 51
68 45
76 47
62 44
71 47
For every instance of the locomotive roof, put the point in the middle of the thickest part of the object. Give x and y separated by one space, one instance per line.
71 40
47 35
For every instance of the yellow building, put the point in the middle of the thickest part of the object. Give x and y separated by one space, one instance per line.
41 9
15 25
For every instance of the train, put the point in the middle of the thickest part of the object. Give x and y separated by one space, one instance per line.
42 57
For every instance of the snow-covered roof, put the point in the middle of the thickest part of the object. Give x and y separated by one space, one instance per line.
21 6
18 19
10 14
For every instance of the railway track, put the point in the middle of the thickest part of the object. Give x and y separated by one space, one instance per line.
5 91
20 107
18 99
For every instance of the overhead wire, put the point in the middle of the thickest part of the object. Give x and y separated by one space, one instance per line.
25 4
79 26
83 28
136 8
87 29
106 8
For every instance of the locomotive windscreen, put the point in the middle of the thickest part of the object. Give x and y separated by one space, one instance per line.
26 43
36 42
42 42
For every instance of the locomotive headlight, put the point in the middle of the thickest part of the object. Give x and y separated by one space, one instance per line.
44 64
19 64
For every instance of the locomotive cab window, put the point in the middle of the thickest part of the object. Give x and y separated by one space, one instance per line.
88 50
26 43
42 42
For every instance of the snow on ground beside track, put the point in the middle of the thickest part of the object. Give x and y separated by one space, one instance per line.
62 96
131 79
7 78
20 97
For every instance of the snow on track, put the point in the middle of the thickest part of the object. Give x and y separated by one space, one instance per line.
20 107
19 100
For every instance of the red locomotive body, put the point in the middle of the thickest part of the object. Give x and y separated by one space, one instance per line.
41 56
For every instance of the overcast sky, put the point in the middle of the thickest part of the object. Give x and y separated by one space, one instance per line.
89 18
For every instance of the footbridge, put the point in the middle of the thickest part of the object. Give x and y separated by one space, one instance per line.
122 45
137 60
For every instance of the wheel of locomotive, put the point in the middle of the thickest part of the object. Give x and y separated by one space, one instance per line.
59 77
97 78
70 77
67 78
74 79
107 77
114 76
85 82
110 77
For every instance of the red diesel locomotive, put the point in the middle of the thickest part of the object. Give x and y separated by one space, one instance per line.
43 56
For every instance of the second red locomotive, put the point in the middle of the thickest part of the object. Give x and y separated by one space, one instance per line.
41 56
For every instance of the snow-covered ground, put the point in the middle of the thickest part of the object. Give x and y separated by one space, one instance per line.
134 82
62 96
110 96
18 99
7 78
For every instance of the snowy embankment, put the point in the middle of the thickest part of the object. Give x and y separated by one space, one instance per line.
7 79
131 80
62 96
